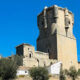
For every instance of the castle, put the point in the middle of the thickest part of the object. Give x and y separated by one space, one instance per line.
56 42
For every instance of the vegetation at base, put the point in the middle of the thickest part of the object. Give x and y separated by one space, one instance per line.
62 75
79 72
72 72
39 73
8 67
18 59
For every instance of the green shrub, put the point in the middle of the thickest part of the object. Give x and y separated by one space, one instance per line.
39 73
79 72
7 69
62 75
17 59
0 78
73 73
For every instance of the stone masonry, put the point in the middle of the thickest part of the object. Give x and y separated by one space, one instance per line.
56 35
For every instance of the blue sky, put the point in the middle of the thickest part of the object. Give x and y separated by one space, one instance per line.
18 22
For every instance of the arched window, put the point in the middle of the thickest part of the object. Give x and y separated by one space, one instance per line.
29 55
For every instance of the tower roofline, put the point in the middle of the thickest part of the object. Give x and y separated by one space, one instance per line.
48 8
24 44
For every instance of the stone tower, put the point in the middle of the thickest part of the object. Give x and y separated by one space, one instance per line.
25 50
56 35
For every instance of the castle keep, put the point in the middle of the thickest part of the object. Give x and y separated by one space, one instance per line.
56 35
56 42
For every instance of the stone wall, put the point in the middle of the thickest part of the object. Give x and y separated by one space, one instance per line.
30 62
67 52
79 65
27 50
38 59
19 50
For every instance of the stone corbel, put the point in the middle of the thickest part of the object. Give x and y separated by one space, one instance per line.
55 12
67 21
45 18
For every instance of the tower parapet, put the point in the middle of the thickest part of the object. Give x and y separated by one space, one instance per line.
55 20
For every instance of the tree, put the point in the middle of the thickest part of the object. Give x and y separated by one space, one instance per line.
18 59
39 73
79 72
7 69
72 73
62 75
